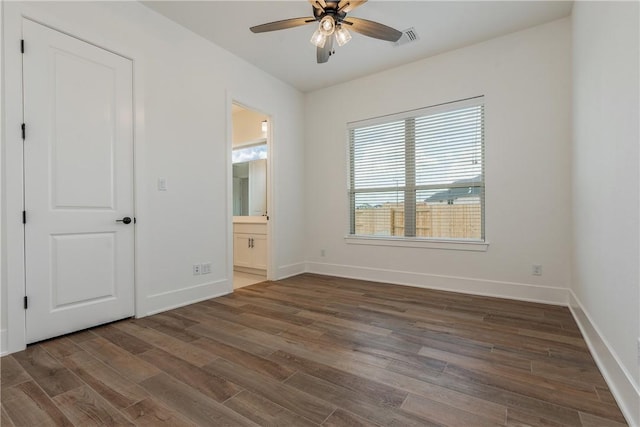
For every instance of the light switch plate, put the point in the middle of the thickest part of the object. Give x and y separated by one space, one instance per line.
162 184
206 268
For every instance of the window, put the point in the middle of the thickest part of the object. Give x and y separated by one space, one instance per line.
419 175
249 153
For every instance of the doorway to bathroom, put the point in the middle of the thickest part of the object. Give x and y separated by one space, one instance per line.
250 166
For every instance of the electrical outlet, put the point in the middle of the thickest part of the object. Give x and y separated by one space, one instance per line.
322 252
206 268
536 270
197 268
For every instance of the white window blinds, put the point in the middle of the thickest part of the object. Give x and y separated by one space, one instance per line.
419 174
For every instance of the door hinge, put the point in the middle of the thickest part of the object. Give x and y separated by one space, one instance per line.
26 302
24 217
24 131
22 46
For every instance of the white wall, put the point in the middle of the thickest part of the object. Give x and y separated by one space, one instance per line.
606 189
183 91
525 78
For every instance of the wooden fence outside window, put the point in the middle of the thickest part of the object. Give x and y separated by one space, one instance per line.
456 221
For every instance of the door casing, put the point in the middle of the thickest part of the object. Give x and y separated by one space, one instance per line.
13 333
82 221
271 255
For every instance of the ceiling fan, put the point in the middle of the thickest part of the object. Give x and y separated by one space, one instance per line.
332 18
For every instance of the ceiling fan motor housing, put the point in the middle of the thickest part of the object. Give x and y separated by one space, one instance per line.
331 10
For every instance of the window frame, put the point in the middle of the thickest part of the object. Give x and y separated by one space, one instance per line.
410 187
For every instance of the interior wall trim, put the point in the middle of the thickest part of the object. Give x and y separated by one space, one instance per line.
467 285
290 270
620 381
3 342
158 303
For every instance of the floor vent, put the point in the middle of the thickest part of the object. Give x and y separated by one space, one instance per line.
408 36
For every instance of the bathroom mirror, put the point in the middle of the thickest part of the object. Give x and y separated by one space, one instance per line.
250 188
249 160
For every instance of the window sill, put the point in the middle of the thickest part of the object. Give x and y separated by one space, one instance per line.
407 242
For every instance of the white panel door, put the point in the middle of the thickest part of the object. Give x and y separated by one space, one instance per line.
78 160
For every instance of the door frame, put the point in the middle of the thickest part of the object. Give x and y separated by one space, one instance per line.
233 98
12 257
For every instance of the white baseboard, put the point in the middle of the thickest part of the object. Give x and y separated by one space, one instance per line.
285 271
467 285
620 381
3 342
178 298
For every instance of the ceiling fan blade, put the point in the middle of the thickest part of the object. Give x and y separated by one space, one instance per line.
348 5
318 3
373 29
282 25
323 53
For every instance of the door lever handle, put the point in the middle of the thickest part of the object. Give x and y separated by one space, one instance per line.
125 220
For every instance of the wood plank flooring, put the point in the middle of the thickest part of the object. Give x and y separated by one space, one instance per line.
315 350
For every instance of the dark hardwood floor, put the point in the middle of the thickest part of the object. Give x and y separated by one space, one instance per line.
315 350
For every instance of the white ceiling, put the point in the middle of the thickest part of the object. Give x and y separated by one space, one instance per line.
289 56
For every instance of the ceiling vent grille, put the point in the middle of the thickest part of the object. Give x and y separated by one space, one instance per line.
408 36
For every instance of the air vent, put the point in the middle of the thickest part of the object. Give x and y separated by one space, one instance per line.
408 36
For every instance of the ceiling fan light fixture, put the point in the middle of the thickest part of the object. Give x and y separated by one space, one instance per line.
318 39
329 17
327 25
342 35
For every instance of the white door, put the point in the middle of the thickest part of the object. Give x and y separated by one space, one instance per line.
78 160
